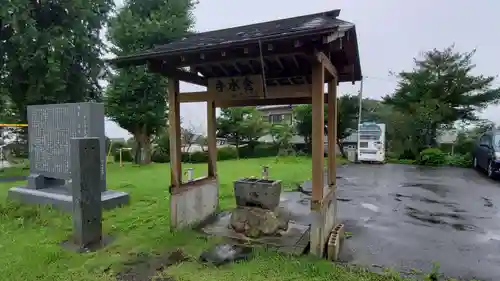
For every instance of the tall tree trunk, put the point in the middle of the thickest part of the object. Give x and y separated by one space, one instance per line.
137 148
143 151
341 148
146 146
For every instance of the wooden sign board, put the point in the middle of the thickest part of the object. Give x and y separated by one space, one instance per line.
237 88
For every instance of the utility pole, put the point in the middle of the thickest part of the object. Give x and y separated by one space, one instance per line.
360 102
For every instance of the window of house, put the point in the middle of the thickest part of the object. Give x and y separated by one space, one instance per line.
280 118
275 118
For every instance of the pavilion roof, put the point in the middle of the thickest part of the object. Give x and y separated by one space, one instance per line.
277 48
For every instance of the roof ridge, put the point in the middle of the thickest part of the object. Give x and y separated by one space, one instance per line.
332 13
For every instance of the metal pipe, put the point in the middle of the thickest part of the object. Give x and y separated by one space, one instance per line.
190 174
265 172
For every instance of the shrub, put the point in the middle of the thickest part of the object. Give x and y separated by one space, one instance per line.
400 161
195 157
226 153
265 150
126 156
464 144
185 157
406 161
257 151
432 157
199 157
460 160
160 156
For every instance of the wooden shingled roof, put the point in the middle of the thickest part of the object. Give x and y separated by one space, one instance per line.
280 49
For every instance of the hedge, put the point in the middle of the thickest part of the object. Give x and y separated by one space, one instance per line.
432 157
224 153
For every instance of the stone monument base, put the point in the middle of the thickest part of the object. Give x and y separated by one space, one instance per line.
60 198
255 222
74 247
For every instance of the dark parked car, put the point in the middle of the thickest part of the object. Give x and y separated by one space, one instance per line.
486 154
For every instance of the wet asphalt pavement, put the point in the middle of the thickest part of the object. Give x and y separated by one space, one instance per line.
406 217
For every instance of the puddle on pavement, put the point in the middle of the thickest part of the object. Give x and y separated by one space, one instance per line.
414 197
487 202
370 207
438 189
305 201
454 220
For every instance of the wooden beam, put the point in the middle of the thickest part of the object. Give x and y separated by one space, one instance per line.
247 58
318 133
327 63
175 133
211 139
190 77
286 98
273 92
249 51
332 133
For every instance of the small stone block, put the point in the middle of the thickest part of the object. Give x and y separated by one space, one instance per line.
252 192
333 242
36 181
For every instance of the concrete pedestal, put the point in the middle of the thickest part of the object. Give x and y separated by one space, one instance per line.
60 197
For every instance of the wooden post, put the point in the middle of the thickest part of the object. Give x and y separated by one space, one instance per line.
332 133
211 139
174 133
318 133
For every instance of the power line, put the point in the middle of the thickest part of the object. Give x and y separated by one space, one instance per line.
386 79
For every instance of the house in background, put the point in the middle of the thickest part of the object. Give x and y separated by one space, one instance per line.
446 140
283 114
278 114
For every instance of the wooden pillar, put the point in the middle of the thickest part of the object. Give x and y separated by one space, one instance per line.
211 139
332 133
318 133
174 133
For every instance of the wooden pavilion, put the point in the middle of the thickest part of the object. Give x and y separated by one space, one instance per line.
286 61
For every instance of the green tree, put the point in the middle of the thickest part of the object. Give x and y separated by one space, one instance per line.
469 134
50 51
282 135
241 125
161 142
136 97
440 90
303 122
347 119
188 137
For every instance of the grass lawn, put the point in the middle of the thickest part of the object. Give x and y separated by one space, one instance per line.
16 170
30 237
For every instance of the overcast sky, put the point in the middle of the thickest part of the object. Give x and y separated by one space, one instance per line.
390 34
